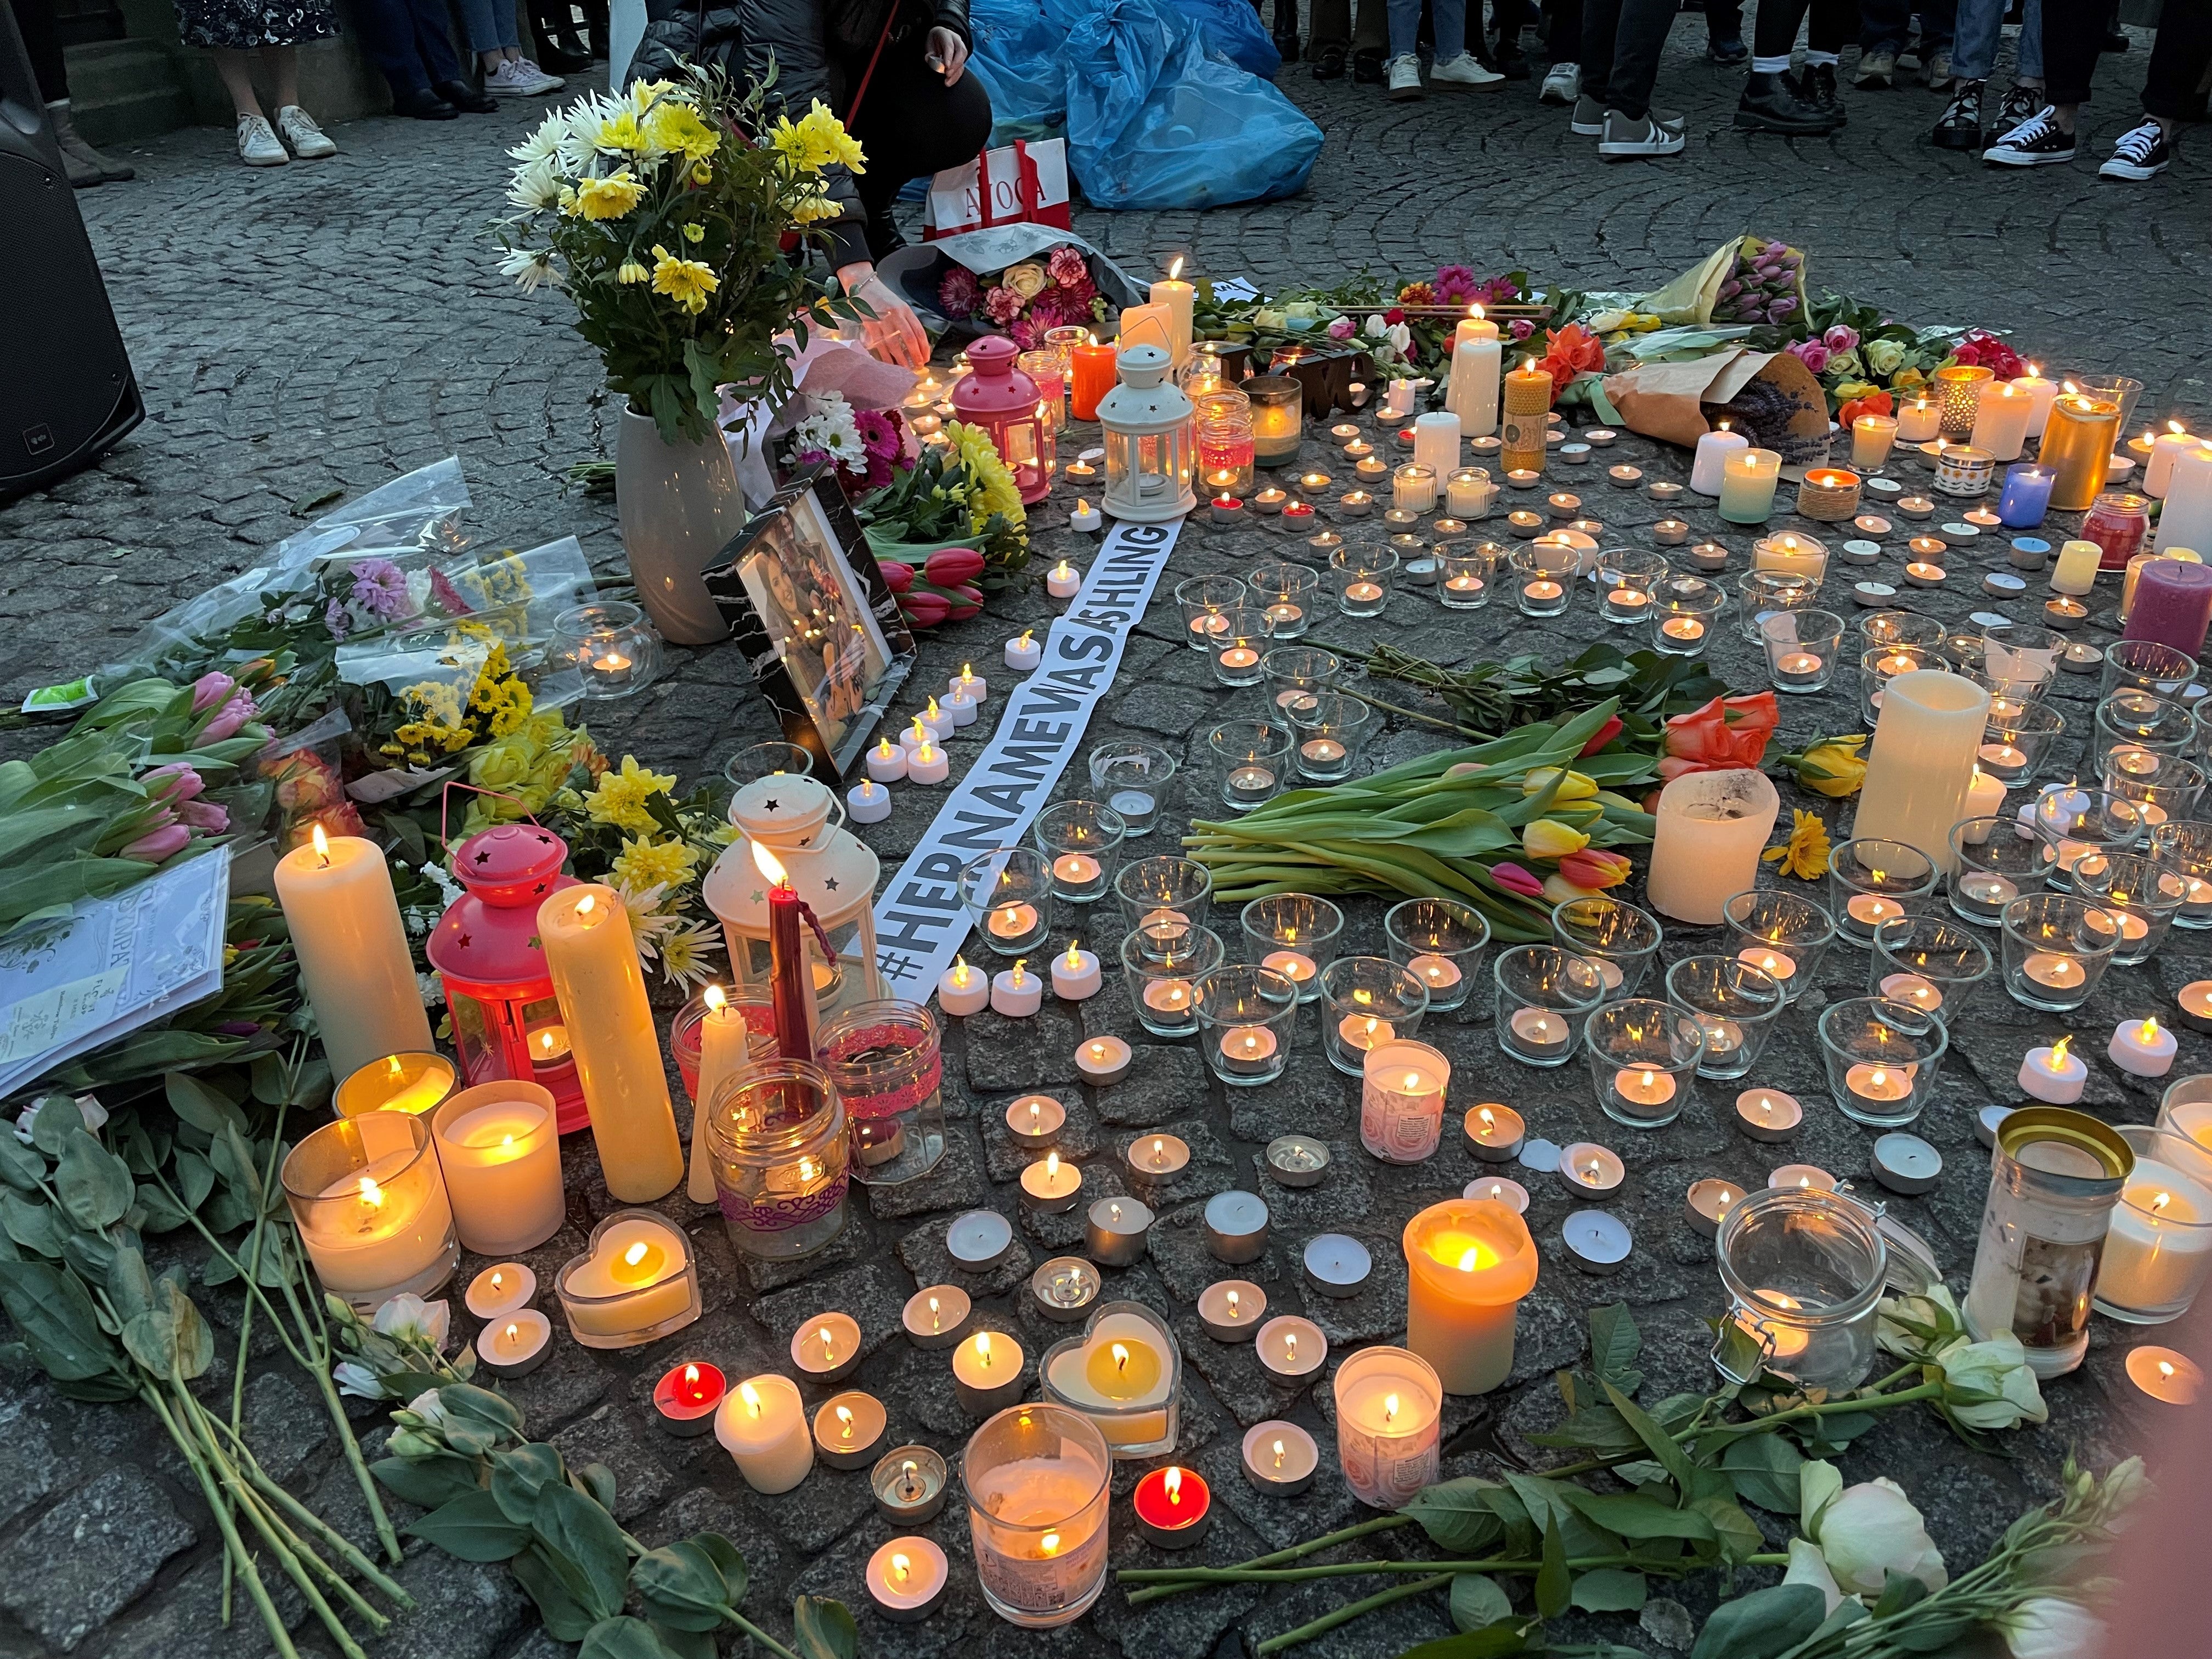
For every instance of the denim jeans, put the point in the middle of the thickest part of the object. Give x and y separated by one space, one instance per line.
491 24
1449 17
410 40
1981 27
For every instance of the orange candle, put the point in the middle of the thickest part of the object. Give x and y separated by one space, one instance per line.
1469 1262
1094 376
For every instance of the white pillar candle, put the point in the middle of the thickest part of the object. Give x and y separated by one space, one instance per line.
2164 449
962 989
1707 468
2001 418
2156 1246
2040 393
354 961
499 1145
761 1424
725 1053
1436 441
1017 991
1984 796
2141 1048
1177 296
1711 828
2186 519
1925 743
1473 393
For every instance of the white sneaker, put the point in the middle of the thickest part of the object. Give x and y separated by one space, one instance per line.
517 79
1563 84
1405 78
531 63
1465 73
258 147
1625 138
298 128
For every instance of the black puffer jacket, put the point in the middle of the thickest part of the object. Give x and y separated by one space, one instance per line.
811 42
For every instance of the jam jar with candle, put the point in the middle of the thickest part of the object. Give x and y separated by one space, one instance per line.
1222 417
1038 1480
885 1061
2055 1177
779 1147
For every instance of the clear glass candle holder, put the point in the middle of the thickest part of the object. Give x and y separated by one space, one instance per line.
1901 627
2145 666
1039 1480
886 1060
2185 846
615 650
1441 942
1882 1059
1008 892
1286 592
1082 839
1133 779
1294 672
1735 1003
1685 612
1296 935
2019 658
2085 827
2015 745
1801 648
1140 1417
1252 759
369 1198
1361 579
2162 787
1202 599
1368 1000
1466 572
1882 661
1764 593
1643 1055
1928 961
1783 934
2006 700
776 1140
1544 992
1619 940
1804 1269
1625 576
1246 1018
1164 900
2057 947
1330 727
766 759
1239 644
1997 859
1871 880
2143 721
1164 983
2141 895
2157 1248
1544 578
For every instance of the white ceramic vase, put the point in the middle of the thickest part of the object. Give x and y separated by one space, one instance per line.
680 506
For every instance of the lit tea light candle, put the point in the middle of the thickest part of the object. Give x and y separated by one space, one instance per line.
1294 966
1024 652
1156 1157
1670 533
2167 1375
1540 1034
929 764
1075 971
1872 524
1116 1231
1495 1132
970 683
960 708
1173 1506
1356 504
1805 1178
1314 483
1589 1171
1012 921
1034 1121
1768 1114
1289 1349
2195 1001
2048 967
1522 477
517 1345
1227 509
1542 591
987 1373
1685 630
1232 1310
1881 1083
962 989
1708 1202
887 761
1279 1458
1103 1060
1798 668
1921 574
1085 519
1050 1186
2142 1048
497 1291
1344 435
936 1316
906 1579
1872 908
827 1348
1270 500
687 1397
1063 581
1916 507
868 802
1017 993
848 1430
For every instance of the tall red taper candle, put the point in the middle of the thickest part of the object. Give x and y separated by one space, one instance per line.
789 992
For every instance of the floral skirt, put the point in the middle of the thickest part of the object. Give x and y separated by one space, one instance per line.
248 23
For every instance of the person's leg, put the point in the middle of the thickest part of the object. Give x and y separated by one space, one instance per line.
42 45
1601 26
1329 37
1938 27
911 113
2178 59
1774 34
1725 32
1449 18
1633 128
283 64
484 34
1829 24
231 63
1771 102
1563 80
1405 23
2072 29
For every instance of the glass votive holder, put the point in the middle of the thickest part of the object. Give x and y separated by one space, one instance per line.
615 651
1735 1003
1239 644
1929 961
1296 935
1202 599
2019 658
1368 1000
2057 947
1997 859
2086 826
2144 721
1801 648
1246 1014
1039 1480
1901 627
1783 934
1082 839
1164 900
1685 609
1413 487
2141 895
2160 786
885 1061
1617 938
1544 992
1253 758
1882 1059
1544 578
369 1198
1286 594
1871 880
766 759
1330 726
1625 577
1465 572
1133 779
1164 983
1762 594
1362 577
1643 1054
1008 893
2146 665
2185 845
2014 747
777 1139
1441 942
1295 673
2158 1245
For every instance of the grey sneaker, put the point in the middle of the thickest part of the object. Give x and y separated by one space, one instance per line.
1405 78
1589 119
1938 73
1465 73
1563 83
1877 71
1624 139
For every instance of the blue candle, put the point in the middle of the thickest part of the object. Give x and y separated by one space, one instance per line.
2026 495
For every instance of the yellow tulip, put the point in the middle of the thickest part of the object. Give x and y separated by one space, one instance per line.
1573 786
1547 838
1831 766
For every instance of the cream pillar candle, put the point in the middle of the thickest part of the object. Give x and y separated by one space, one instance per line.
1177 296
2186 519
1711 828
725 1051
1469 1264
2040 393
1148 325
499 1147
592 960
2165 448
1709 467
2001 419
1435 442
354 961
761 1424
1925 744
2076 573
1473 393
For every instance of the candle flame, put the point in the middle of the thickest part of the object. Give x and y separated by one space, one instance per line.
2165 1369
2148 1030
1389 1408
2176 427
1476 313
2072 391
1171 1483
747 1393
691 1377
829 1346
1468 1258
1647 1078
1051 1166
322 843
1159 1149
1081 506
900 1565
768 864
1278 1445
1488 1121
1017 976
1024 642
1592 1171
2160 1202
883 748
931 712
1234 1312
1049 1544
1121 1357
1290 1346
1114 1210
514 1333
498 1281
960 971
2059 1052
1074 955
712 996
371 1194
983 1348
933 1320
635 1254
1878 1077
845 1422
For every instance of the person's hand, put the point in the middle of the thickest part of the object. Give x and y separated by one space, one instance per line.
947 53
894 334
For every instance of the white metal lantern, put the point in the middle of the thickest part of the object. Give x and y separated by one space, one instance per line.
1147 422
835 874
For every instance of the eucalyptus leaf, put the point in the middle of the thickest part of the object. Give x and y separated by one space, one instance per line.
32 1224
21 1168
465 1399
571 1524
1458 1515
200 1105
89 1254
597 1482
50 1124
824 1629
227 1211
736 1577
621 1637
1610 1589
472 1528
1614 1343
687 1643
1765 1468
233 1161
1738 1533
1898 1591
1477 1602
1762 1625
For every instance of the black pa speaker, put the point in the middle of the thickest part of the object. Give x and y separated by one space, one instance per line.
66 389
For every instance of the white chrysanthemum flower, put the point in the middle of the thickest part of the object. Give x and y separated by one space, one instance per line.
536 185
545 142
531 269
832 429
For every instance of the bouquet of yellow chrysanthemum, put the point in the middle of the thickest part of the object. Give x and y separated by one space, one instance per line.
668 226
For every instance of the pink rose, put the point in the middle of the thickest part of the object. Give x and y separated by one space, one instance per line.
1341 329
1811 353
1840 339
1523 328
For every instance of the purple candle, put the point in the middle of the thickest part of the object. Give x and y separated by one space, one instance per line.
2174 605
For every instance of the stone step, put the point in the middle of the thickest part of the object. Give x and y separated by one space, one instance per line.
121 90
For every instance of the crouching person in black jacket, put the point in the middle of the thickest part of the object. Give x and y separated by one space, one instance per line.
895 73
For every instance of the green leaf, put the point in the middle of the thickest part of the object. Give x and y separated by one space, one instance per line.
21 1168
31 1224
597 1482
518 1475
50 1125
200 1105
160 1213
1494 1642
824 1629
1898 1591
89 1255
1553 1586
1739 1534
1551 1504
1610 1589
682 1585
1932 1634
687 1643
1457 1515
564 1613
472 1528
1761 1624
425 1482
621 1637
570 1524
93 1185
170 1339
57 1322
1764 1468
1737 1355
1631 1515
130 1286
1614 1343
1477 1603
1655 1439
233 1161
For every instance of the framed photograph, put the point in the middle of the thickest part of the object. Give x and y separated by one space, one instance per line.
807 603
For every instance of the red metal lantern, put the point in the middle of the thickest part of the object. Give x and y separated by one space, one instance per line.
1006 404
506 1025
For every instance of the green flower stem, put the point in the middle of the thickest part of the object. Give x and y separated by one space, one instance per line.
1296 1552
1373 702
1196 1576
246 1315
234 1547
1350 1611
758 1634
347 1549
1759 1425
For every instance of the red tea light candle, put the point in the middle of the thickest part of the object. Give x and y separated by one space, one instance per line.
685 1398
848 1430
1296 513
827 1348
1173 1507
1227 509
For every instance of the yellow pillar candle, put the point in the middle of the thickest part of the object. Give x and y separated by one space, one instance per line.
1747 480
1925 744
2076 573
761 1424
354 961
593 963
1469 1261
2077 448
499 1147
396 1082
1177 296
1520 433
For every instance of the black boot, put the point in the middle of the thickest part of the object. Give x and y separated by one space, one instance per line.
1286 29
1367 67
1960 125
1507 57
1816 88
1769 106
462 96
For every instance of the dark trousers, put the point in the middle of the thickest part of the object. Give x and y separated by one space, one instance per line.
1621 43
2074 32
412 41
1724 21
911 124
1887 25
1332 26
1774 33
1563 45
42 45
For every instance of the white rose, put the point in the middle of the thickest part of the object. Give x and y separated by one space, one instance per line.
1866 1532
1375 327
1997 1367
1809 1566
1401 338
1938 1309
2046 1627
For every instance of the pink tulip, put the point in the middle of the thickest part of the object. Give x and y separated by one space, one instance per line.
1514 879
177 781
210 689
203 815
158 844
232 716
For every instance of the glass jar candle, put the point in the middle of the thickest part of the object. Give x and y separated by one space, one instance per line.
1202 599
1413 487
1361 579
2143 721
1544 578
1928 962
370 1201
1872 437
2016 742
1252 759
1465 572
1083 840
777 1140
1277 417
1748 478
1441 941
1997 859
1285 593
1247 1014
2054 952
1163 900
1871 880
1882 1057
1330 725
2077 446
2118 521
1685 609
1780 934
1124 1373
1625 576
1735 1003
1008 892
1801 648
1765 593
1905 628
2141 895
2085 827
1958 393
2161 787
1389 1406
1164 984
1039 1483
1468 493
2157 1248
1804 1270
2026 497
1401 1100
1616 937
2055 1175
2146 665
2186 846
1544 995
1221 421
1239 644
615 650
1367 1000
635 1282
1132 778
1296 935
1643 1055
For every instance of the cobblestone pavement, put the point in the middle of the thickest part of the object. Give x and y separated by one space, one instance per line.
320 328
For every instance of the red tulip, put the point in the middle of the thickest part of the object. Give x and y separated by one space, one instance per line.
898 577
1514 879
924 610
1606 734
950 566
